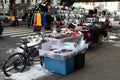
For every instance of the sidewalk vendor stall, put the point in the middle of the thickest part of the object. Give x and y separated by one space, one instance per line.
64 55
64 52
90 26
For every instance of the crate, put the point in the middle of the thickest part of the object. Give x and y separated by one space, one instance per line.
63 67
79 60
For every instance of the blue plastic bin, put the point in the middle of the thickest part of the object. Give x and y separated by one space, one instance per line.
63 67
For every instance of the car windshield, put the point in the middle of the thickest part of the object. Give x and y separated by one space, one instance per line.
7 14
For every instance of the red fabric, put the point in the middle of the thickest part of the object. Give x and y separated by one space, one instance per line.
81 24
58 23
35 17
87 35
74 33
107 22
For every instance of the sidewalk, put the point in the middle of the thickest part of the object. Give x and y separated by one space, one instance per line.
102 63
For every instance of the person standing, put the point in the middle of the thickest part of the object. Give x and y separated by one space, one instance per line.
107 26
28 19
1 28
14 21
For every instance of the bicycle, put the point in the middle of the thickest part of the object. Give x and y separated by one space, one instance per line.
18 61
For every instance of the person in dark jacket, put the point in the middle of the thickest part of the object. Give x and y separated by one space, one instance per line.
1 28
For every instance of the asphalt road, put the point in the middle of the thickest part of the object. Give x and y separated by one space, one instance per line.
5 44
8 43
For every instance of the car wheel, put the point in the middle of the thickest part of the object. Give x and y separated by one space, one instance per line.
6 20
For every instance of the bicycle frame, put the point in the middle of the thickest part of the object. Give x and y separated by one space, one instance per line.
31 51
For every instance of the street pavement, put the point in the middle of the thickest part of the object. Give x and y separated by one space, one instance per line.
11 36
21 32
101 62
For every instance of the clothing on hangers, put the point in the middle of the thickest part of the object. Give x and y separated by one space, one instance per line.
44 22
37 19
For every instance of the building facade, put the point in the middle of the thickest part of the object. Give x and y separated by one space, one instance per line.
23 6
4 5
111 6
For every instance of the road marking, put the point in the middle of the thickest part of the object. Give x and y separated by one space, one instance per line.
17 33
14 31
22 35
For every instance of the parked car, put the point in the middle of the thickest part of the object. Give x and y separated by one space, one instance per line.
5 17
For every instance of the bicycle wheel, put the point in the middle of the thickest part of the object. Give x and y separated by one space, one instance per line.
15 63
35 59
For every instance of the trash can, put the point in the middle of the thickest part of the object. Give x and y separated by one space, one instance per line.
79 60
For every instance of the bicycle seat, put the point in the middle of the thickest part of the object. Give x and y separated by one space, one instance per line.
24 42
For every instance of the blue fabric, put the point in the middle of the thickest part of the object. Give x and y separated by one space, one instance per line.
32 20
44 22
55 10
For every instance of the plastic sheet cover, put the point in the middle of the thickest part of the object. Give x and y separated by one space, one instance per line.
63 50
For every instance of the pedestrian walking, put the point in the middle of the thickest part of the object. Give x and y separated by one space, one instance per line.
14 21
29 17
28 20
